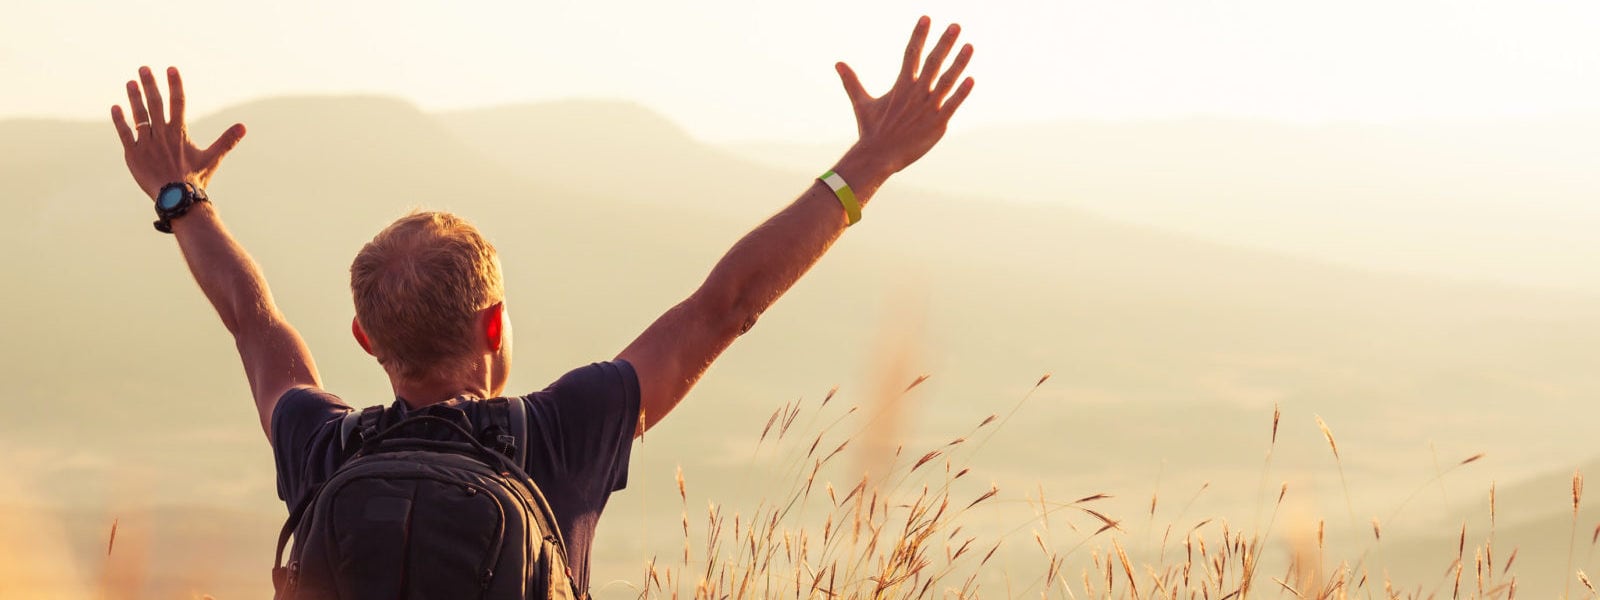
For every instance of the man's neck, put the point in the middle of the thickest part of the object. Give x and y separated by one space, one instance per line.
418 394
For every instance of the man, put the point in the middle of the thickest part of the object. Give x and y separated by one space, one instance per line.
430 304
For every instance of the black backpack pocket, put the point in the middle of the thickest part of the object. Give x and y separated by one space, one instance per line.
411 518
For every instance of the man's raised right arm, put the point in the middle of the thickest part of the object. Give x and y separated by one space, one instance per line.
158 152
895 129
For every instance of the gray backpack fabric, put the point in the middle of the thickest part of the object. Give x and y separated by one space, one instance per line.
427 506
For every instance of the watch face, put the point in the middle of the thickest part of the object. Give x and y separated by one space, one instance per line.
170 198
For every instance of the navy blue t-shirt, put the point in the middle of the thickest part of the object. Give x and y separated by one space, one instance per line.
580 433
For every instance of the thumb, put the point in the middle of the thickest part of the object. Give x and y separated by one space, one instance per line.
225 143
852 84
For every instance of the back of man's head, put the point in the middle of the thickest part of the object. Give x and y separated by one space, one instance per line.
418 288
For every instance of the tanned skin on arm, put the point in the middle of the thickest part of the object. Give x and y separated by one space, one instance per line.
895 130
158 151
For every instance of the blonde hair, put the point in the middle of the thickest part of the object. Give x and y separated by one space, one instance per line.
418 288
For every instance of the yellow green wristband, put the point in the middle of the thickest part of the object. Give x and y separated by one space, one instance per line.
852 207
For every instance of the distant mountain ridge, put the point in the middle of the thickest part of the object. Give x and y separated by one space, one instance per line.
1509 200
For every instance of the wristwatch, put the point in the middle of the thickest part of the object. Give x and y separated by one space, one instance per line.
174 201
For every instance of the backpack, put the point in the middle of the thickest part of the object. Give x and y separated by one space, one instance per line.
426 506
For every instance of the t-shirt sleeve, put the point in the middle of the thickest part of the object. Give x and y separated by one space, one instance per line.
303 425
589 417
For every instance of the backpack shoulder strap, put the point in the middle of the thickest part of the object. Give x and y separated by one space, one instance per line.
519 428
360 424
510 417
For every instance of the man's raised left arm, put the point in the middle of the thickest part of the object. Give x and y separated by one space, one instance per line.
159 152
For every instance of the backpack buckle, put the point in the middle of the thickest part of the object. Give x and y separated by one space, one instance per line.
508 444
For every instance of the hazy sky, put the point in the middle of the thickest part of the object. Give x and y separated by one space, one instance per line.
731 69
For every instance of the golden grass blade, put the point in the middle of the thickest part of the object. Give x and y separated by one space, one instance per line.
993 489
770 420
918 381
1127 567
112 542
1572 542
1288 587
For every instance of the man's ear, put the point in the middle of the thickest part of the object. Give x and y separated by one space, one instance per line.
494 325
361 336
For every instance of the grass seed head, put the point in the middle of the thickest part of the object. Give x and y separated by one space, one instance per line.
918 381
1577 490
1328 433
1276 415
683 492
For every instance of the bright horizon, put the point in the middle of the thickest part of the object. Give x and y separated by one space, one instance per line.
1495 187
729 71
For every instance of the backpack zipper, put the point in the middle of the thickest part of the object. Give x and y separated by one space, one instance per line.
499 541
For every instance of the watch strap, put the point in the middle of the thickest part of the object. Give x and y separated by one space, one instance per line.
192 195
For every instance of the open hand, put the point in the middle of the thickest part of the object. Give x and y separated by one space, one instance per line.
903 124
158 149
